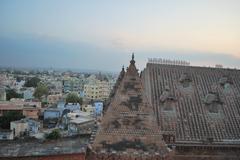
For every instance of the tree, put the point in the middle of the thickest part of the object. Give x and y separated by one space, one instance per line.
73 98
32 82
11 93
40 91
55 134
9 117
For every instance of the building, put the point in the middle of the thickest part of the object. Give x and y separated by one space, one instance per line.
51 117
22 102
89 109
73 84
55 86
197 108
2 94
19 85
98 105
28 109
31 112
54 99
61 105
28 93
7 80
25 126
72 107
33 126
19 128
6 134
129 128
95 89
51 113
172 111
80 123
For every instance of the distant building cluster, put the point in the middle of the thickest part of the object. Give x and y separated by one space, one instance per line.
170 111
42 109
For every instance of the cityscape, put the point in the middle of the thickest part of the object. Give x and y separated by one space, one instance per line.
129 80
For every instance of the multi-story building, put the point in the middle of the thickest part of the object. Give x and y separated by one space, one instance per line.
54 99
2 94
73 84
96 89
7 80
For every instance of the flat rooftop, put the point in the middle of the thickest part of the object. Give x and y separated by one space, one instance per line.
22 148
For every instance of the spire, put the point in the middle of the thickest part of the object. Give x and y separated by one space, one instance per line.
121 73
131 70
123 68
132 61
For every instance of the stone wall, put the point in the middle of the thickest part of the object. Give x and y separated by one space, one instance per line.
50 157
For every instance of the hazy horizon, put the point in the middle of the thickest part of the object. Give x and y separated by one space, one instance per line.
101 35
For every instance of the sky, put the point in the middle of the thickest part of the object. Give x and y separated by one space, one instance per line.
102 34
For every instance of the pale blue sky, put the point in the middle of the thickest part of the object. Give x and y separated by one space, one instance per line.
101 34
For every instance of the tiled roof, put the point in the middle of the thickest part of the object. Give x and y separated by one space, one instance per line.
195 103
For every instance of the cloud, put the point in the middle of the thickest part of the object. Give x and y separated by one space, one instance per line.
30 51
33 51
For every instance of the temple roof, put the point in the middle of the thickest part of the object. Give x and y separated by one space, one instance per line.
132 70
129 123
195 103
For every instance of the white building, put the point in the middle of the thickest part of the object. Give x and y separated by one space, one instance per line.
6 134
19 85
80 123
2 94
19 128
24 126
28 93
72 107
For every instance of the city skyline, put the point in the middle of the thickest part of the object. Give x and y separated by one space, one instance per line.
102 35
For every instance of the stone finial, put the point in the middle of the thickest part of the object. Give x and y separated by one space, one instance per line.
123 68
132 61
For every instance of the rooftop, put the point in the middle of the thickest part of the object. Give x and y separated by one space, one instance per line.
34 147
195 104
129 124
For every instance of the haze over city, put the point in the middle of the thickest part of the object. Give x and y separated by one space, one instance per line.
100 35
